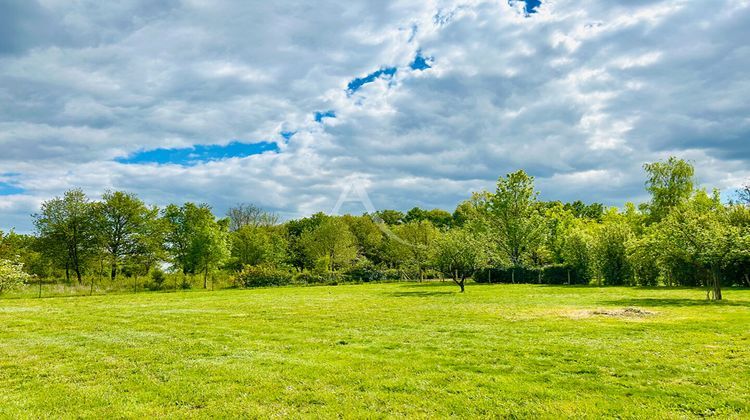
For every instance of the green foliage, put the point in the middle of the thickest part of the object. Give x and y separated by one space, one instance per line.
643 258
437 217
390 217
514 217
412 246
195 240
67 231
127 230
11 275
251 245
670 184
332 242
681 237
157 278
262 276
458 255
364 271
610 250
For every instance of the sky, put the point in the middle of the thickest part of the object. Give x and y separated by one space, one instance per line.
287 104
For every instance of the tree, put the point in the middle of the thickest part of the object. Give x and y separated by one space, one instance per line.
245 214
66 226
196 241
123 224
698 232
439 218
331 244
670 184
415 242
294 230
743 194
515 217
369 236
11 275
577 251
390 217
610 249
210 246
458 255
253 245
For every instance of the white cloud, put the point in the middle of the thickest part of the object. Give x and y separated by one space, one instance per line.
580 94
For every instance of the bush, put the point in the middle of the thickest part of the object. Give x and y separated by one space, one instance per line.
507 275
11 275
364 271
262 276
157 279
550 274
563 274
308 277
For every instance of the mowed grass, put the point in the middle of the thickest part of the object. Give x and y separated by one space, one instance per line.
378 350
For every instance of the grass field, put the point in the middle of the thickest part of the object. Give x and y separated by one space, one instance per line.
415 350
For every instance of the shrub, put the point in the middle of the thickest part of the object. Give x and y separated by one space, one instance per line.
11 275
262 276
157 279
364 271
308 277
550 274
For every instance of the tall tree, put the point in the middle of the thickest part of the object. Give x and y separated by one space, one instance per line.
257 245
610 249
67 228
670 183
196 241
331 244
415 243
698 231
123 224
515 217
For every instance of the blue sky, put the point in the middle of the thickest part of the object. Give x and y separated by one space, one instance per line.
199 153
286 104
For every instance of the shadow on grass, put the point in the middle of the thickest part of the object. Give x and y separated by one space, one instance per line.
421 293
653 302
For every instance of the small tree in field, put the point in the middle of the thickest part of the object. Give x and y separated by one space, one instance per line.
11 275
458 255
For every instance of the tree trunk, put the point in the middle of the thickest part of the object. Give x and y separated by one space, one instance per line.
78 275
747 279
40 287
205 278
513 275
568 276
113 274
489 275
716 286
459 283
67 272
91 292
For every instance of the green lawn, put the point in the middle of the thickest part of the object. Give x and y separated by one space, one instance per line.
381 350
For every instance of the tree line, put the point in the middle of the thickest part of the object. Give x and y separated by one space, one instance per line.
683 236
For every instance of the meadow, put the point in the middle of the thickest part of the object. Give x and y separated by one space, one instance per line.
379 350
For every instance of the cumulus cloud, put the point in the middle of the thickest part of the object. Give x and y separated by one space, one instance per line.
579 94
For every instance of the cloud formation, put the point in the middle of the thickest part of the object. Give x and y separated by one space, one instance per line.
421 102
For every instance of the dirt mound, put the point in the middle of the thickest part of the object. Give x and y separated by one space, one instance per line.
626 312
